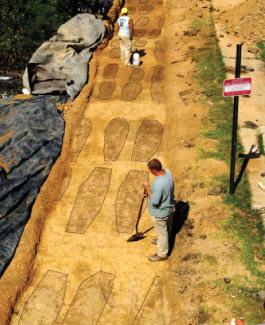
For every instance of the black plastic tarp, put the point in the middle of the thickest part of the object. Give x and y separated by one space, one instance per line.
31 137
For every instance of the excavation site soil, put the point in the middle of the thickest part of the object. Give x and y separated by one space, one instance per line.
74 264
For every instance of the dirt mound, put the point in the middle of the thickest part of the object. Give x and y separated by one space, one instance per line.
246 20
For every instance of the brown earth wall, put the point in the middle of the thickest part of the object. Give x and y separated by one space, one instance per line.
21 269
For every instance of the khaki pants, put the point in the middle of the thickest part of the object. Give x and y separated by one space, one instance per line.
161 229
126 49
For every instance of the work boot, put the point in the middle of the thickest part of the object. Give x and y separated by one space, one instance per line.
154 241
156 258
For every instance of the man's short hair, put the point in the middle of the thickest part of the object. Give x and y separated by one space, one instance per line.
154 164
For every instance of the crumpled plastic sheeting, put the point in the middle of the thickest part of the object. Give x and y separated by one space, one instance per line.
31 137
61 64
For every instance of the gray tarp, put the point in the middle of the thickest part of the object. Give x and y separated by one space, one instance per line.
61 64
31 137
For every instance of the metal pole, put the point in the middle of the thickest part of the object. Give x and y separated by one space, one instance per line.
235 122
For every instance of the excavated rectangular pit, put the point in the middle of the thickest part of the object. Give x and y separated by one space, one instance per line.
155 33
115 53
156 91
110 71
137 74
129 200
89 200
46 301
131 91
158 73
116 134
90 299
81 134
148 140
141 22
151 310
140 43
145 10
106 90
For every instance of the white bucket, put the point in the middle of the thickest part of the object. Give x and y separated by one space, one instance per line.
25 91
136 58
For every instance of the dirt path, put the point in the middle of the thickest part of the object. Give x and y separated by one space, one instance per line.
85 269
226 4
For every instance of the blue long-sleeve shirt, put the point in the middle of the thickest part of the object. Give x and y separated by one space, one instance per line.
162 201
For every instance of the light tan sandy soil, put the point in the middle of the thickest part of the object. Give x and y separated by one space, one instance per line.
84 268
246 19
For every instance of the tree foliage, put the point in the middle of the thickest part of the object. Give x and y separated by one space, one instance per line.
25 24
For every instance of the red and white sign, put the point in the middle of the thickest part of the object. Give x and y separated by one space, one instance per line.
237 87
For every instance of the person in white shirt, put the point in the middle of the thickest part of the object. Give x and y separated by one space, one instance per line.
125 25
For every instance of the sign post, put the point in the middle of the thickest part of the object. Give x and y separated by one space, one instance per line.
236 87
235 122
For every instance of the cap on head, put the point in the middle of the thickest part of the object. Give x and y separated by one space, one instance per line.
124 11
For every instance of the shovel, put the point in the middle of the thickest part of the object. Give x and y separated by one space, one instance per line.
138 235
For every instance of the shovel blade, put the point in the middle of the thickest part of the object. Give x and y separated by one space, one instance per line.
136 237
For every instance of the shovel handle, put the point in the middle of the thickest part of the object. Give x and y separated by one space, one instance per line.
140 211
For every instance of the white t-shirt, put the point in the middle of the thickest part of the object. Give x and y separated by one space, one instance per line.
124 26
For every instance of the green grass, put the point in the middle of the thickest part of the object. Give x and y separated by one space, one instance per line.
241 295
261 46
197 24
209 259
260 143
244 225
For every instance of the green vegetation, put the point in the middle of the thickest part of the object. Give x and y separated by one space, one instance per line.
260 144
261 46
242 295
25 24
197 24
244 226
209 259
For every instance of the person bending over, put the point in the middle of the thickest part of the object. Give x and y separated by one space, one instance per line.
161 206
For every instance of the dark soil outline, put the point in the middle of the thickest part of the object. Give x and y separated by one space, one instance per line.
124 142
100 208
107 300
85 140
119 190
38 285
158 147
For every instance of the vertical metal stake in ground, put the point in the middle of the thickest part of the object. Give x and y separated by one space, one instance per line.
235 122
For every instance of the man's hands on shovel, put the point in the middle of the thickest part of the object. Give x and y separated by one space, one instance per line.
147 192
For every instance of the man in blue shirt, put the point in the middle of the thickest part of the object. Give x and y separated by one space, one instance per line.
161 205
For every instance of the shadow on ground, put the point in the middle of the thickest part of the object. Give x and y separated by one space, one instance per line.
177 221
